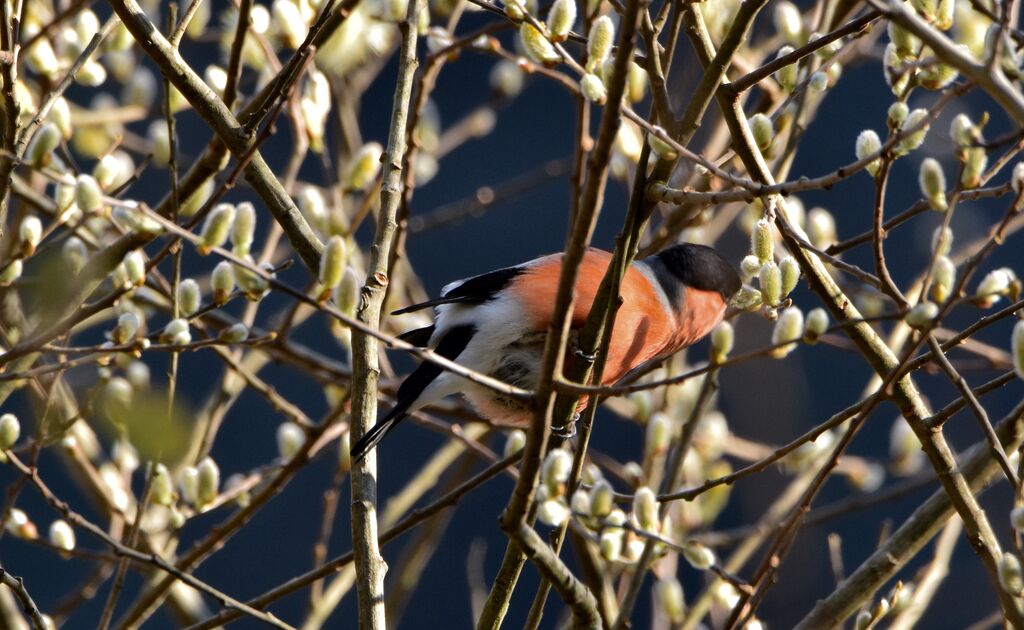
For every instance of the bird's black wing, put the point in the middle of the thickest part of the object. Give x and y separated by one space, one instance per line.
418 336
450 347
471 291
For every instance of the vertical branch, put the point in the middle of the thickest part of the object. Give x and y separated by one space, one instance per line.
370 566
8 98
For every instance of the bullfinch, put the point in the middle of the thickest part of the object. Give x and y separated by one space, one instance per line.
496 324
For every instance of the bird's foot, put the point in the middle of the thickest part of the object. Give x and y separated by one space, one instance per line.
568 431
578 352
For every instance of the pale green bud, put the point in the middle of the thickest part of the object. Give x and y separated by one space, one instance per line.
763 131
30 232
863 620
126 328
821 228
188 484
817 324
669 594
290 438
907 44
1010 575
216 228
515 442
611 545
897 74
10 273
88 195
974 167
235 333
579 503
1017 517
61 535
995 284
313 207
42 58
914 139
789 23
162 486
159 142
922 314
905 449
1017 348
553 512
189 296
750 266
770 281
43 143
600 42
289 23
208 482
602 499
722 339
898 113
1017 178
346 294
222 281
253 284
658 435
515 11
636 82
196 200
762 241
593 88
938 75
363 167
19 525
787 75
10 430
113 170
963 132
932 181
135 267
699 556
942 241
869 144
561 19
645 509
943 279
177 333
507 78
537 46
332 264
555 472
789 327
91 74
790 270
60 115
137 374
818 81
747 299
944 14
243 229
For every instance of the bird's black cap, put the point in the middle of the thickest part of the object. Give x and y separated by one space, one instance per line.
696 266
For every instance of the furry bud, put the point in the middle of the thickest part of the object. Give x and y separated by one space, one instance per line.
943 279
593 88
788 328
914 139
933 184
762 241
222 281
216 228
363 167
243 230
790 274
235 333
10 430
869 144
162 488
62 536
922 314
189 296
1017 348
722 339
561 19
770 281
600 42
208 483
974 167
537 46
290 438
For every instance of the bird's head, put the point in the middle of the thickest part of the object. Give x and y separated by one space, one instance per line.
700 267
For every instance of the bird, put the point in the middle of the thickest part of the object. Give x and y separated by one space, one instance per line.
496 324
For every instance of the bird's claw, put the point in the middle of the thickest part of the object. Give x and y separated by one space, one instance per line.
578 352
568 431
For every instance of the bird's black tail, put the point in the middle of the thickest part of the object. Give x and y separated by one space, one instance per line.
376 433
453 343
